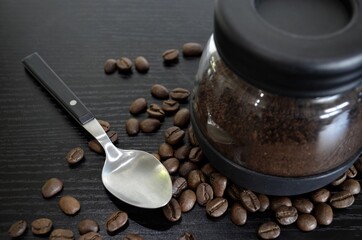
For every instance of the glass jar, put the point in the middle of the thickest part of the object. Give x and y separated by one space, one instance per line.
277 106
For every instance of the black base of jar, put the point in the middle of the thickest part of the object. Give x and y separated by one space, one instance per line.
263 183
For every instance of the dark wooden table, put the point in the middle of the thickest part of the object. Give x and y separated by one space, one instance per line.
76 37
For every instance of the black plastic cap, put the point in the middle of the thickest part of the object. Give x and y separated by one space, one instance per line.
277 54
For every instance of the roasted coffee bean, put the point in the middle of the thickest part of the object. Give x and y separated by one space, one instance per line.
124 64
351 172
216 207
207 169
339 180
249 201
306 222
17 229
170 106
150 125
321 195
91 236
105 125
192 49
179 94
138 106
133 236
170 55
186 168
110 66
182 118
172 165
182 153
303 205
74 155
187 200
276 202
132 127
87 225
342 199
165 151
233 191
269 230
174 135
155 111
113 136
192 137
352 186
178 185
51 187
264 202
196 155
69 205
238 214
187 236
141 64
61 234
95 146
194 178
157 156
218 183
172 210
286 215
41 226
204 194
116 221
323 214
159 91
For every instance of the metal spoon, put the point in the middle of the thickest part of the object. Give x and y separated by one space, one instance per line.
133 176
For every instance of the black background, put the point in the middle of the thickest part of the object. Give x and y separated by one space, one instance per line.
75 38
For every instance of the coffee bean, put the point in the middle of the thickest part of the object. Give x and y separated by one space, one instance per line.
165 151
87 225
95 146
342 199
170 106
91 236
216 207
321 195
249 201
63 234
218 183
182 118
133 236
323 214
339 180
172 210
113 136
69 205
74 155
132 126
51 187
194 178
155 111
187 200
172 165
178 185
233 191
170 55
196 155
180 94
138 106
303 205
238 214
17 229
286 215
192 137
207 169
306 222
105 125
269 230
351 172
352 186
159 91
182 153
187 236
192 49
157 156
141 64
276 202
174 135
110 66
41 226
264 202
124 65
150 125
204 194
186 168
116 221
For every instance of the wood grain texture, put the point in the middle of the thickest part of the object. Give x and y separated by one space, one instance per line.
75 38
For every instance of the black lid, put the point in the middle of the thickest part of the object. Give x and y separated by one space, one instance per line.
296 48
